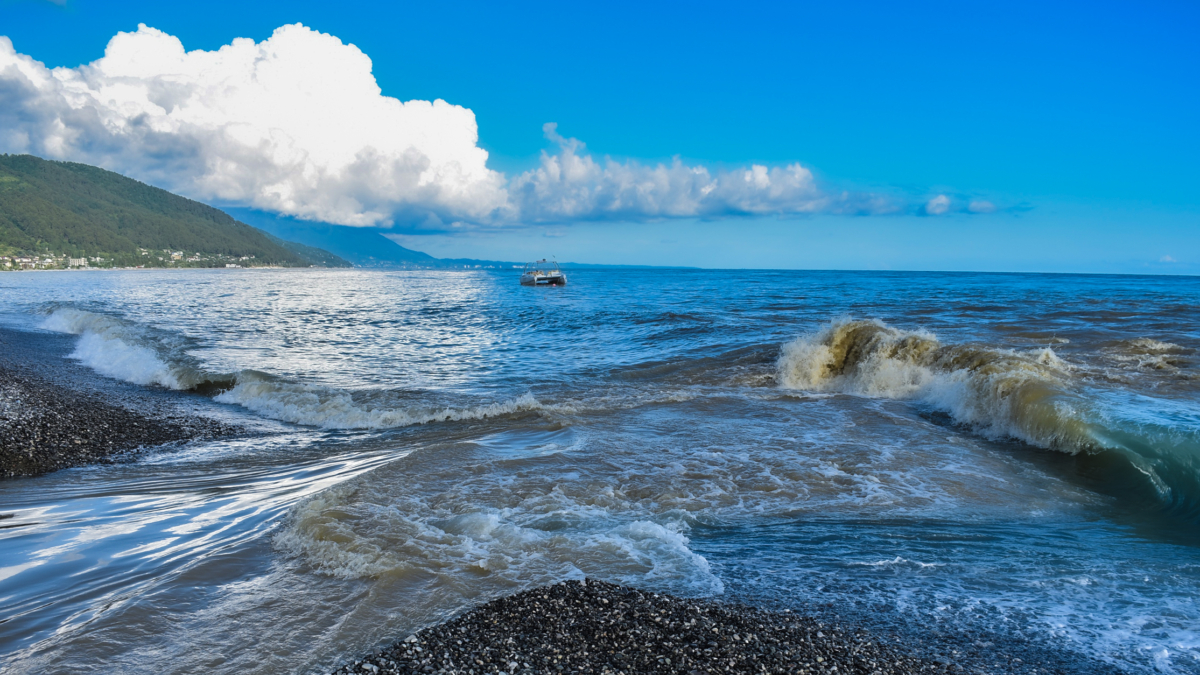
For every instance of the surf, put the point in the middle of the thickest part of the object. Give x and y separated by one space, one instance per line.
1144 446
132 352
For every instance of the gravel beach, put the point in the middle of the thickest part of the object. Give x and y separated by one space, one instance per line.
56 413
596 627
45 427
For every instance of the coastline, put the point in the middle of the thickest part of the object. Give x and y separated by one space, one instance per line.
151 269
52 416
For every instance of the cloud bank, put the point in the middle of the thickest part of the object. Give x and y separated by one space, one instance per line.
941 205
297 125
938 206
572 185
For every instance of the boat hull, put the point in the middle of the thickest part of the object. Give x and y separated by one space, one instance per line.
544 280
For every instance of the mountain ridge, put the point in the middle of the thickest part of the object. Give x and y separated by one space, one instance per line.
80 211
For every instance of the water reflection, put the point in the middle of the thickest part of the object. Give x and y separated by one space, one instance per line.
128 529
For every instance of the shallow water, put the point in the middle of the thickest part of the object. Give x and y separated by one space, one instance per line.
1014 458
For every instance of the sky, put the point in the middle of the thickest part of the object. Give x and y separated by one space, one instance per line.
1055 137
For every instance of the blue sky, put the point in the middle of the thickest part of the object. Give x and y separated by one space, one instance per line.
1076 120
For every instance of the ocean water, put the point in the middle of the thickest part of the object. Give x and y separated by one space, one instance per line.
980 464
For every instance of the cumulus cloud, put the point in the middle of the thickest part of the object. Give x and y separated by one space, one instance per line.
297 125
939 205
572 185
981 206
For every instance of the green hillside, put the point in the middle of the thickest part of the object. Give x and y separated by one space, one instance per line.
76 210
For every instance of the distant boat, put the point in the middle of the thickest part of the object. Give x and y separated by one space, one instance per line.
543 273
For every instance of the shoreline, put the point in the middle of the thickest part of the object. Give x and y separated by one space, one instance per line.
56 415
45 427
592 626
151 269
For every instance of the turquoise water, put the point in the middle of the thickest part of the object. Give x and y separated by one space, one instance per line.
980 461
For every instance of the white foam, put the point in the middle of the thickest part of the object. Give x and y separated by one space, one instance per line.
1146 355
129 352
112 348
1152 345
896 562
120 360
1001 392
336 409
353 532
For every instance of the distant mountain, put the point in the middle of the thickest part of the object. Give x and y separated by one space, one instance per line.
363 246
84 211
369 246
316 256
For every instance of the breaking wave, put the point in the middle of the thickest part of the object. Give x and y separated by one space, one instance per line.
134 353
1146 354
338 409
1026 395
129 352
1001 392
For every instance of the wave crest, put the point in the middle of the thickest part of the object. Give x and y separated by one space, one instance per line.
337 409
1149 355
135 353
1030 396
1001 392
129 352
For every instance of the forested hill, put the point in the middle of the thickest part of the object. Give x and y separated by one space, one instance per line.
83 211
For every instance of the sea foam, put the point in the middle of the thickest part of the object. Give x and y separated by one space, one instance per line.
117 349
372 529
1001 393
134 353
1024 395
332 408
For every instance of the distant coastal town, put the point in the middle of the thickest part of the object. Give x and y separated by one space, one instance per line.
145 258
168 259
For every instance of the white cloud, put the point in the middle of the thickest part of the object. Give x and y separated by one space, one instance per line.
294 124
939 205
981 206
297 125
572 185
1167 259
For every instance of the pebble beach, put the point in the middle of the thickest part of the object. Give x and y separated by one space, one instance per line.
590 626
47 425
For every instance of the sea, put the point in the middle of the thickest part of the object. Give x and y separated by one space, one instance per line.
999 470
